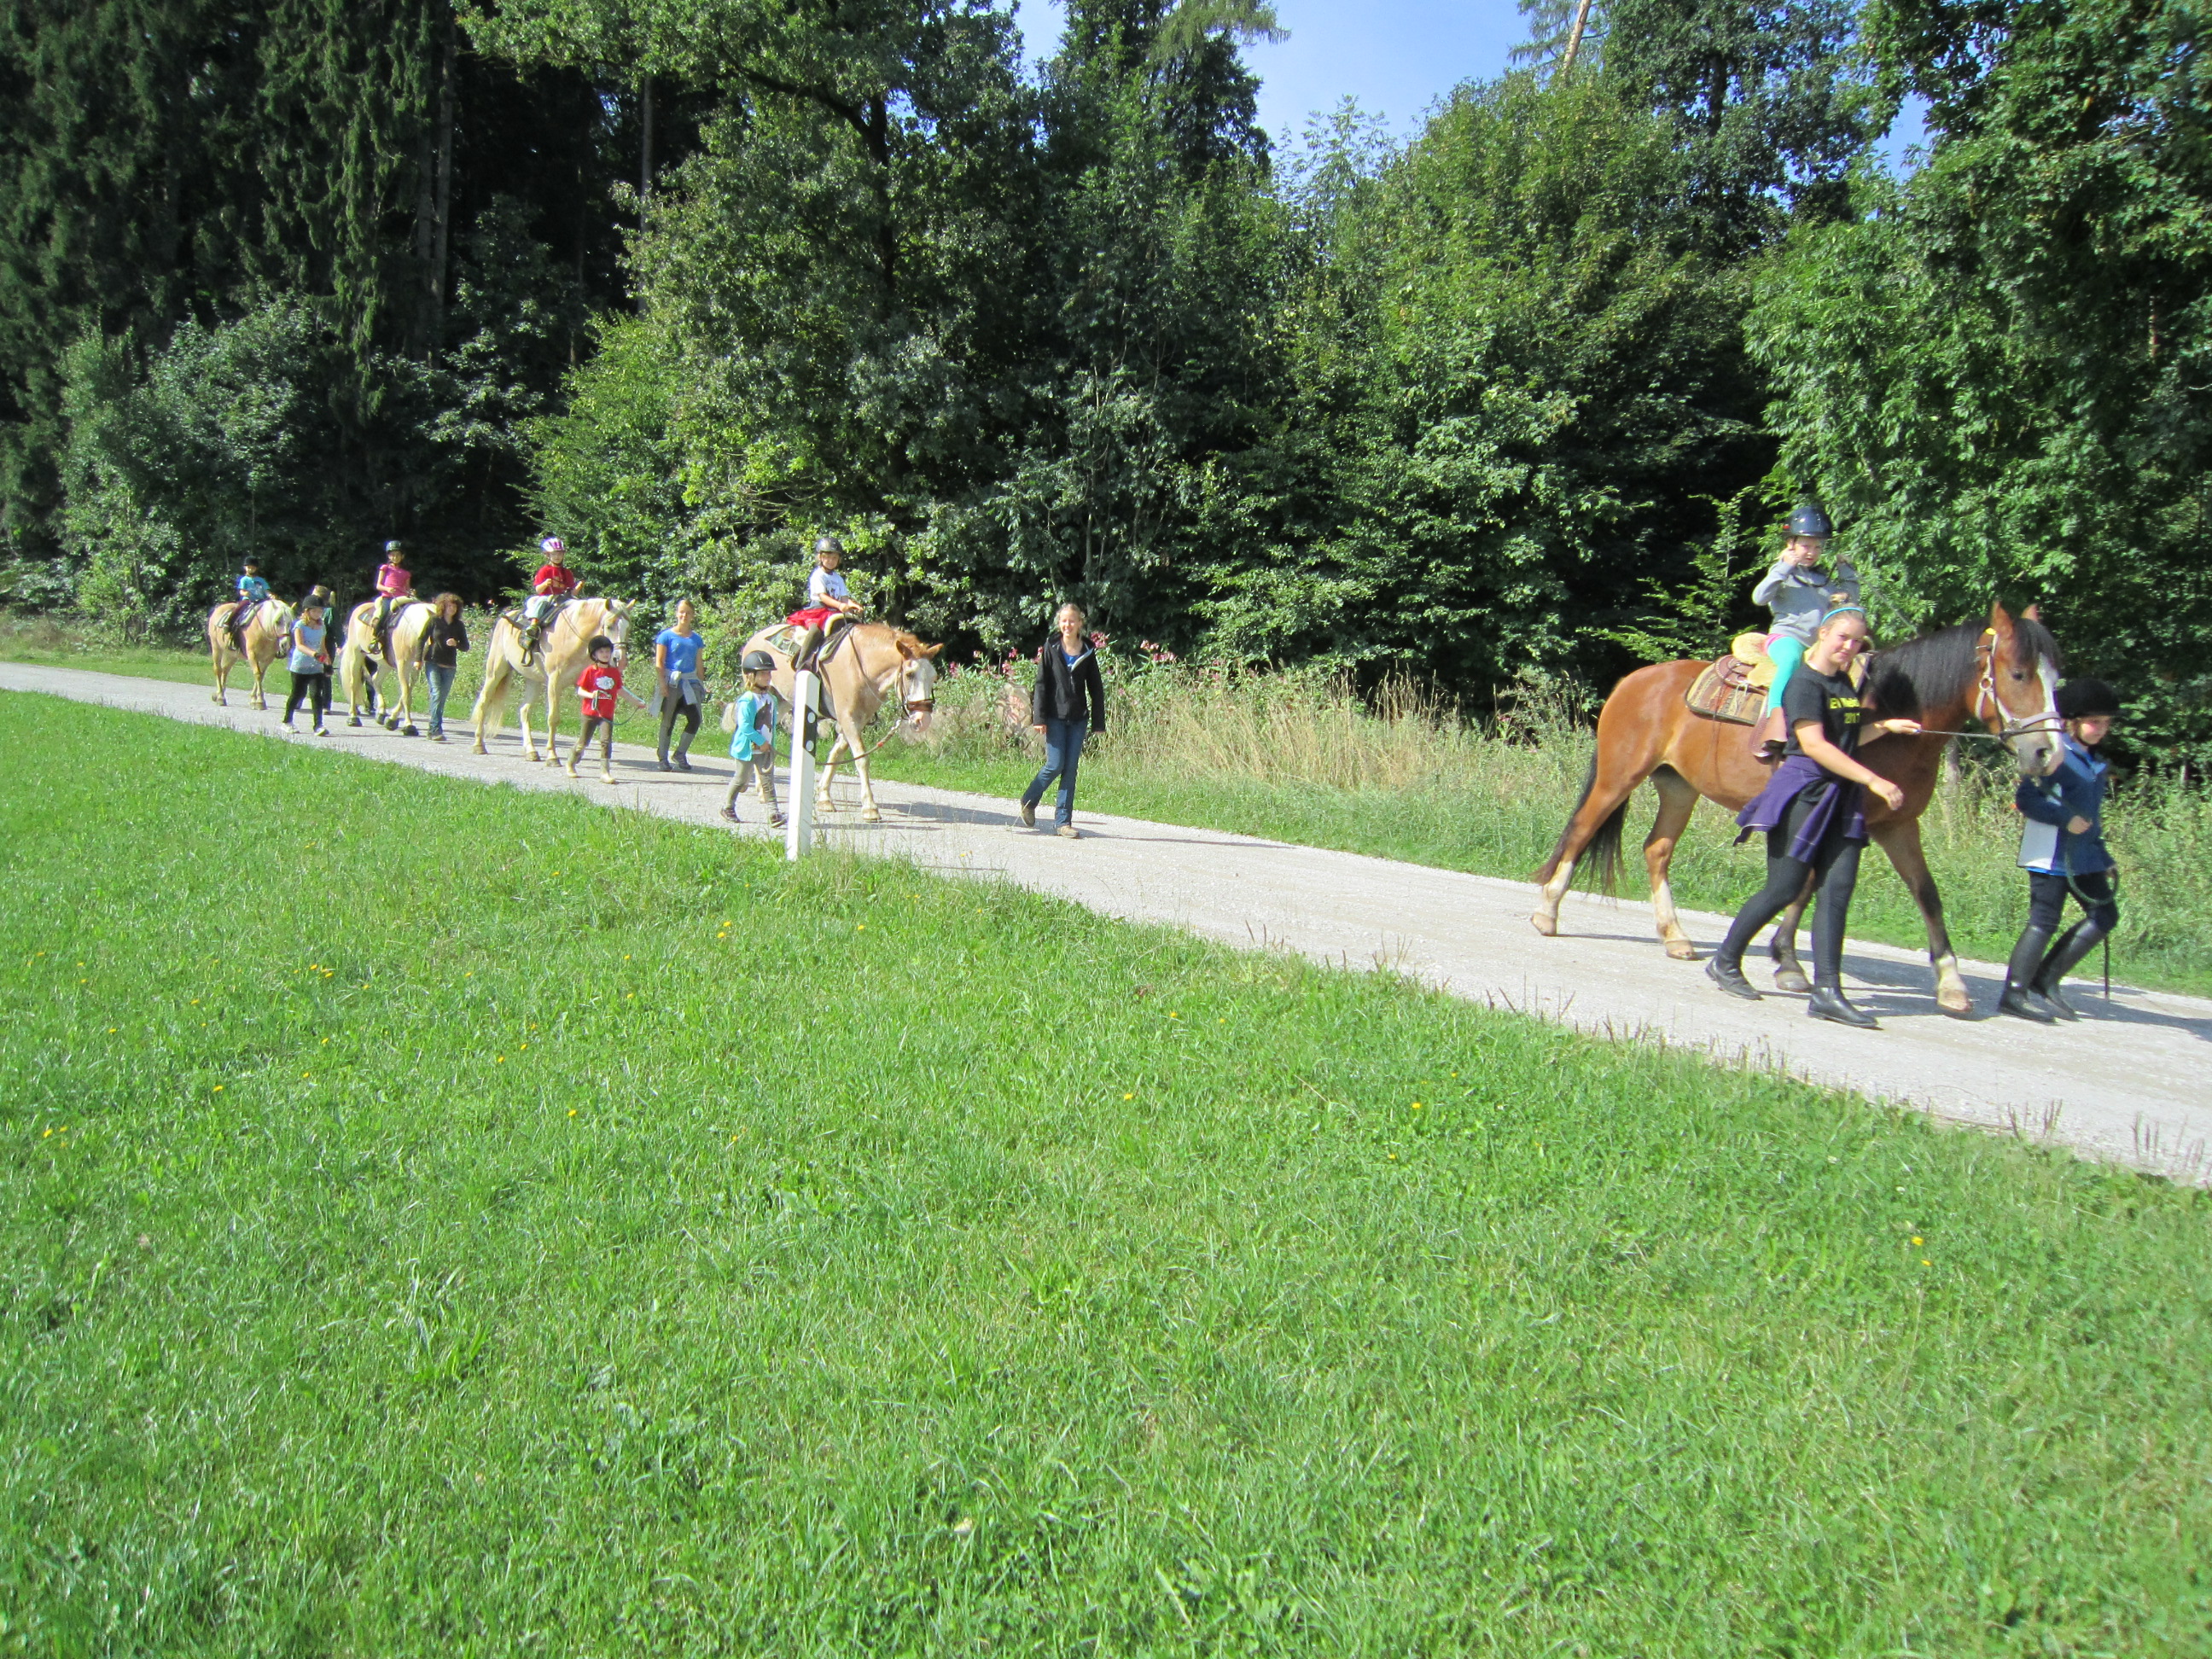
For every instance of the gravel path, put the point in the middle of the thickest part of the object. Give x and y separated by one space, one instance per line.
2131 1082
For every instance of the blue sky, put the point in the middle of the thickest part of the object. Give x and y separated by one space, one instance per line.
1395 56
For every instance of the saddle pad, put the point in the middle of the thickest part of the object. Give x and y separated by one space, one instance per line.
1713 695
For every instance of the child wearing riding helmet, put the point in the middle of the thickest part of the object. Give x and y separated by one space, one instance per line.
598 685
394 582
2062 848
827 598
753 744
1814 816
1800 590
252 590
553 582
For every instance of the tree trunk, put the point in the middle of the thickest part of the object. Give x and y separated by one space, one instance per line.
442 215
645 156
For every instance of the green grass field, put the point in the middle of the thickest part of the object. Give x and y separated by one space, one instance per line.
441 1220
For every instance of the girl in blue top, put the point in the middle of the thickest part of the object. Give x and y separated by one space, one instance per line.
2063 850
683 692
753 747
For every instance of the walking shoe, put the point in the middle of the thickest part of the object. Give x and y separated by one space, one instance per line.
1728 975
1068 832
606 777
683 761
322 731
664 766
437 737
570 769
776 820
1830 1002
2023 1003
1029 816
286 725
730 813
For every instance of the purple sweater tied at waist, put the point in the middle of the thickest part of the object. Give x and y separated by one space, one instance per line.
1828 798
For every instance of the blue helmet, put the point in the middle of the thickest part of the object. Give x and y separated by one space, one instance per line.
1807 519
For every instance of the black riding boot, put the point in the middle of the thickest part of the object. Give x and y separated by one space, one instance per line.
2022 997
1829 1002
2074 943
1723 971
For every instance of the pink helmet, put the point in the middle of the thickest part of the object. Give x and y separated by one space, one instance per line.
553 544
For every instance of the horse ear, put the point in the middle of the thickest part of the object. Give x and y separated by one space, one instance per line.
1999 617
935 650
905 648
2034 613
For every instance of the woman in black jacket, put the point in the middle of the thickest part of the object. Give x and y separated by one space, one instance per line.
1069 701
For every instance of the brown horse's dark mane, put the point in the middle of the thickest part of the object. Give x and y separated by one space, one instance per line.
1932 670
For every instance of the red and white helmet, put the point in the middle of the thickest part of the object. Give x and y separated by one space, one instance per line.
553 545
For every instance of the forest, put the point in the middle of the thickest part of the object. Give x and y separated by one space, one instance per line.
688 282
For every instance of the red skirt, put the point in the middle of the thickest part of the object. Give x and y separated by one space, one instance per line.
814 616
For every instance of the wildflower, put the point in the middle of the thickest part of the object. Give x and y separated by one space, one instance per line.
572 1111
1916 1238
1129 1097
218 1088
1416 1105
499 1060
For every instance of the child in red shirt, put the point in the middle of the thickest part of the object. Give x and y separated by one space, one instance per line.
598 685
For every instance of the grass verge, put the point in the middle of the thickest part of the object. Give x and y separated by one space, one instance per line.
461 1224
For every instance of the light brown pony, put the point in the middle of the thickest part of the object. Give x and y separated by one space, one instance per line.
560 658
870 663
264 643
359 668
2004 674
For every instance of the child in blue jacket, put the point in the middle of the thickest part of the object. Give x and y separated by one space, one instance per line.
753 747
2063 850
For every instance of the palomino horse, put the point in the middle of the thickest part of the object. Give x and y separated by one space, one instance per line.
359 667
2004 674
560 659
264 643
863 668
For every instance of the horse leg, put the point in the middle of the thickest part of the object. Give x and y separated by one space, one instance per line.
491 697
869 813
1900 839
1677 800
823 778
1781 948
553 723
221 679
1596 823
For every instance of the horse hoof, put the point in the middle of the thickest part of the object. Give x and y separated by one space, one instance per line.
408 732
1958 1005
1793 981
1547 926
871 816
1680 949
355 720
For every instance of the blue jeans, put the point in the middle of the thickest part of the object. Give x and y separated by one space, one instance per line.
1063 747
441 687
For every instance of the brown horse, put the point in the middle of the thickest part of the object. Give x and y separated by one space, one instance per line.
264 643
2004 674
864 669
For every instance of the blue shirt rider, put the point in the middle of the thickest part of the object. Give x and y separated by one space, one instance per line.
252 590
1799 590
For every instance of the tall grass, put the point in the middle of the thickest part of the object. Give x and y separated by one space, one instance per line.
1402 775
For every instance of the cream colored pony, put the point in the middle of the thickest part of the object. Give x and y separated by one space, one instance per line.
871 664
560 659
264 643
359 668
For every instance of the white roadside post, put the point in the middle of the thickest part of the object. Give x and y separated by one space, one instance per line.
800 826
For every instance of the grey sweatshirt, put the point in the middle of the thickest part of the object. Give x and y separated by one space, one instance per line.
1798 594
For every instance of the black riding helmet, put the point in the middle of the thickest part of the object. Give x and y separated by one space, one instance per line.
1807 519
759 662
600 642
392 549
2086 699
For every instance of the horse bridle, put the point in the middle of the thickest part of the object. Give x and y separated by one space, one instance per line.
1986 649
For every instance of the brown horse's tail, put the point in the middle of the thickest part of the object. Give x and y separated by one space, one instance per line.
1603 846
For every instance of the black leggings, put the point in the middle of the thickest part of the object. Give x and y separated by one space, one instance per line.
1835 872
2046 903
315 689
671 707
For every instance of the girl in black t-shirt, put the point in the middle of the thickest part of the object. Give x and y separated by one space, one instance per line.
1812 812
